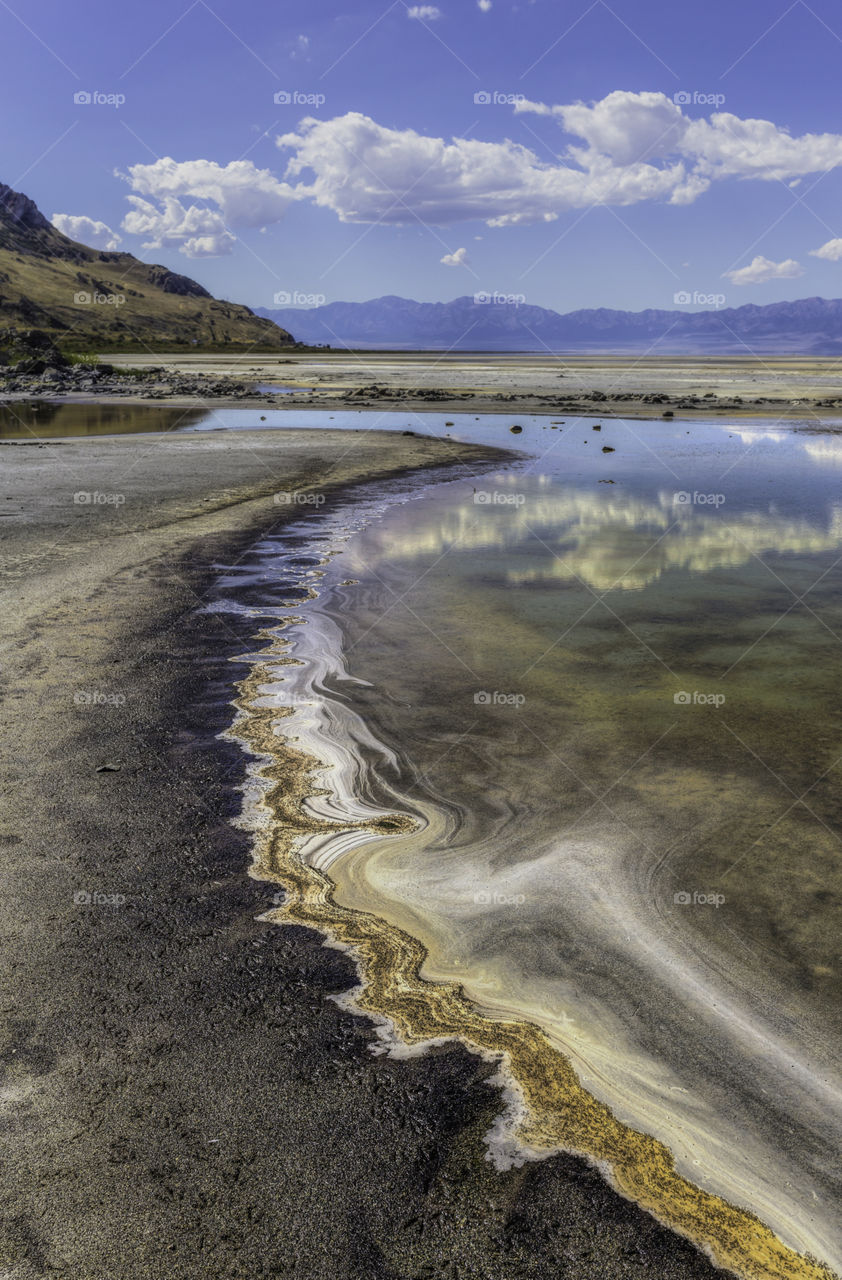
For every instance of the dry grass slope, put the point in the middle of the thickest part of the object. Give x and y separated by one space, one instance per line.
88 299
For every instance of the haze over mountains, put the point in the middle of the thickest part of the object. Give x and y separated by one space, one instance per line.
809 326
87 298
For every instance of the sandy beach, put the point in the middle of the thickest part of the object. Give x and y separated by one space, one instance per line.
181 1098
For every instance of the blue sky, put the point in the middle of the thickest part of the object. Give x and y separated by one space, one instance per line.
587 182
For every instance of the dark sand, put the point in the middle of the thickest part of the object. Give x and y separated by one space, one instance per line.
180 1098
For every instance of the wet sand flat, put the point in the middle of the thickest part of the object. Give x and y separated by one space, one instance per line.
631 386
180 1098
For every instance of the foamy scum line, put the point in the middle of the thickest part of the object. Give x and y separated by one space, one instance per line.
303 804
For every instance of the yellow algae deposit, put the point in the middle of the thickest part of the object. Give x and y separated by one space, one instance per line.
558 1113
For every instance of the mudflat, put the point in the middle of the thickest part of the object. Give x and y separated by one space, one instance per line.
643 386
180 1097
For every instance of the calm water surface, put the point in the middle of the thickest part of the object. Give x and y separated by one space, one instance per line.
607 685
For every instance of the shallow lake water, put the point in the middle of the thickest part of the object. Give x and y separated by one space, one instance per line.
605 681
607 685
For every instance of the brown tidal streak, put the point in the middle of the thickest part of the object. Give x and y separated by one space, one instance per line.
559 1112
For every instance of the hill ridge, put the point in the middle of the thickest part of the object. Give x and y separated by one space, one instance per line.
87 298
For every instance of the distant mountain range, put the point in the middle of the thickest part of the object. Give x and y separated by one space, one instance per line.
810 326
88 299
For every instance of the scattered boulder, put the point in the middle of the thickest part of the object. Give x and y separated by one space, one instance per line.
30 351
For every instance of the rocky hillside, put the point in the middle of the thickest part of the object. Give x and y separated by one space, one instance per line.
86 299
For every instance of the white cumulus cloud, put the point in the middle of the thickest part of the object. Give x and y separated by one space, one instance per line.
627 127
484 5
235 196
624 149
424 12
761 269
366 172
633 126
831 251
196 232
96 235
459 258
